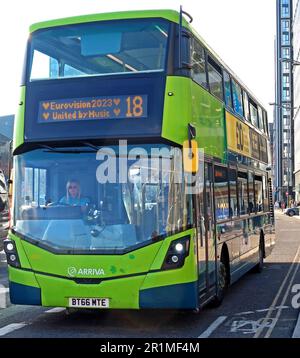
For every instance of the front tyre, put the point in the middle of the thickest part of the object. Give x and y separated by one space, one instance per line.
223 280
259 267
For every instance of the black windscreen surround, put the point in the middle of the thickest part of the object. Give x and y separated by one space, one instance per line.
116 106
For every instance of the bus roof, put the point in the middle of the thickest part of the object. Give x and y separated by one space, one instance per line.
171 15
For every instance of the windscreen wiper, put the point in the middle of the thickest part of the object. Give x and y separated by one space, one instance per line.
88 144
64 151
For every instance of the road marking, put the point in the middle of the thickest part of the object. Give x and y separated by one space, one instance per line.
56 310
213 327
249 326
296 333
273 305
11 327
288 230
273 309
3 296
270 330
244 313
261 310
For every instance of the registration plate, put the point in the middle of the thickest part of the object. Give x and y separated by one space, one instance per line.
89 302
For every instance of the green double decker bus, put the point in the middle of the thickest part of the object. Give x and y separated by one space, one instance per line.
140 167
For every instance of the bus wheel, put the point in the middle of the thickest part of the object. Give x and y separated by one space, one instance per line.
223 280
259 267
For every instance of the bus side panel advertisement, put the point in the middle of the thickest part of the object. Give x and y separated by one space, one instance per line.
238 135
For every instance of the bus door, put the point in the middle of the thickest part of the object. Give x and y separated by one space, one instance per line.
206 243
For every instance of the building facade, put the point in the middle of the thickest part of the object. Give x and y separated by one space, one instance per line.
284 104
6 134
296 75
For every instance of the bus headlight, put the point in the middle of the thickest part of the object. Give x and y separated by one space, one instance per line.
179 247
11 253
177 252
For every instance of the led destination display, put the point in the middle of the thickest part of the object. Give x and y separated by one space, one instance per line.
93 108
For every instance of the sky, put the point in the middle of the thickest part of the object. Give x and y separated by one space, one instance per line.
241 32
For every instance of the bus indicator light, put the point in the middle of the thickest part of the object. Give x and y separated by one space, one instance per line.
190 156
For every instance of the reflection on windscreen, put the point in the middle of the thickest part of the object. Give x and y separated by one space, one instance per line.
99 48
62 202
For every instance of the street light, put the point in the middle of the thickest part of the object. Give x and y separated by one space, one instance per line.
293 62
283 105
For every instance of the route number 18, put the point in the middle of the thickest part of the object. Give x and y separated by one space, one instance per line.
134 106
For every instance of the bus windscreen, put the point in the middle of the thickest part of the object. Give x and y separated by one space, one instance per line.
99 48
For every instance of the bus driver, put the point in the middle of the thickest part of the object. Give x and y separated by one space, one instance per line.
73 195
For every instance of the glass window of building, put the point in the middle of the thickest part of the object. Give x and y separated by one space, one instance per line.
285 25
198 63
286 78
215 79
286 94
285 38
237 98
286 112
246 105
285 151
286 66
286 136
227 86
285 8
286 52
286 121
221 193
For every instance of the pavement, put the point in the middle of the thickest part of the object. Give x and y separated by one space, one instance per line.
4 291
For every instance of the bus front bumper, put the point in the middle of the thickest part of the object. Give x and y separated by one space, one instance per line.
30 288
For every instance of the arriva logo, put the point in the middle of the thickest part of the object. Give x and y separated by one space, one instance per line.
72 272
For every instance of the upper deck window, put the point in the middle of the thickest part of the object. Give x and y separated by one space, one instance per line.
198 63
99 48
237 98
246 106
227 87
260 118
215 78
254 114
